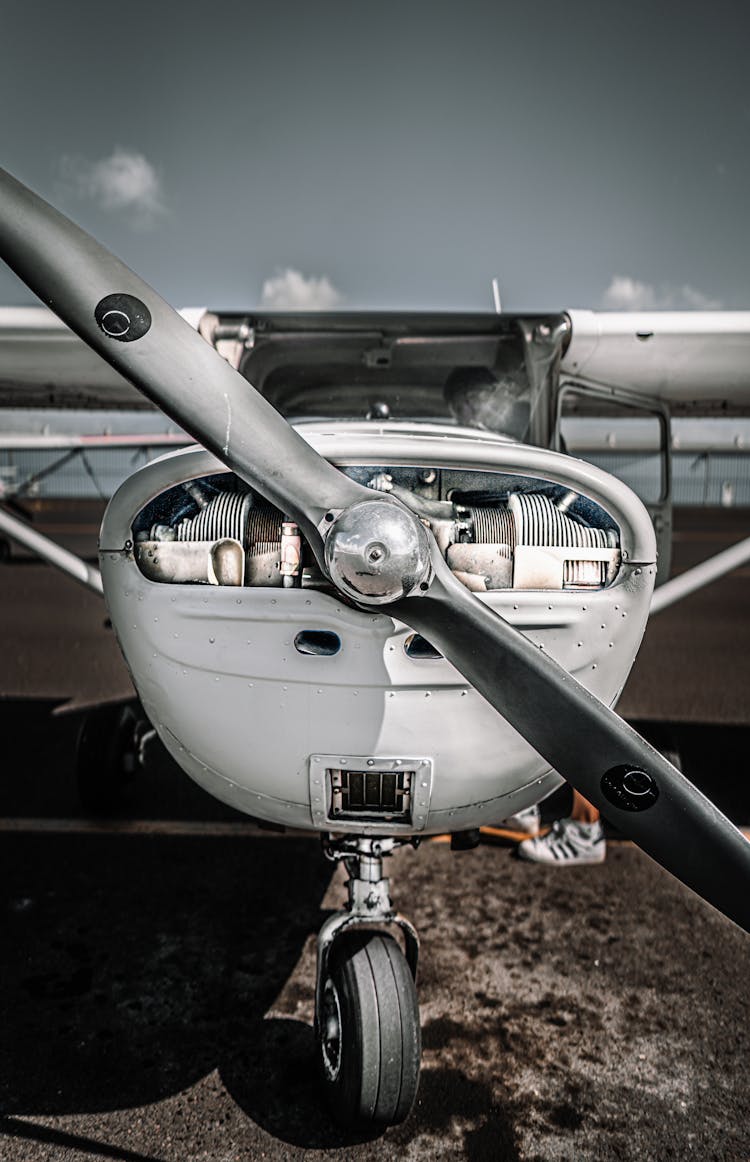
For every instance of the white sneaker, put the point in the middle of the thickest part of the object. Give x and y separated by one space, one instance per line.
523 822
568 842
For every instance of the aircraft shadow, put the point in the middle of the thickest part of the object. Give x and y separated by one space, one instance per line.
135 965
276 1085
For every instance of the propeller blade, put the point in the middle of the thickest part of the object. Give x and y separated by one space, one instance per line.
139 334
638 790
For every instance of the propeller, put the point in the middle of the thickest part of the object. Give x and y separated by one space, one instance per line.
375 550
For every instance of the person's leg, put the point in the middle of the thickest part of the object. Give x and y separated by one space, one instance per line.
577 839
583 811
516 827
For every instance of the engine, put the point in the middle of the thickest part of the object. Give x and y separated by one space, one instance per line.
495 532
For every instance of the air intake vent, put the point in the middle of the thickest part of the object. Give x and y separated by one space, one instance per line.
371 795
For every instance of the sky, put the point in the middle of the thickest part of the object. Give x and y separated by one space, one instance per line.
392 155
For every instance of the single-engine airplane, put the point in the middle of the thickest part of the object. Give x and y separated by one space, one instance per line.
407 612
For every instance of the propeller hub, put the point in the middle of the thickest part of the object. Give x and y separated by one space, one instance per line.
377 551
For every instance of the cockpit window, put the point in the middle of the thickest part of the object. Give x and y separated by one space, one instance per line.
493 399
474 380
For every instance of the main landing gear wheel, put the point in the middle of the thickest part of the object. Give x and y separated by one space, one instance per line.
370 1043
106 756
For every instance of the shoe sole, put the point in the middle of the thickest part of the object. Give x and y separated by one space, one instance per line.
569 861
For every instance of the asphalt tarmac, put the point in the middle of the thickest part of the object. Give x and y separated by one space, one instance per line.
158 966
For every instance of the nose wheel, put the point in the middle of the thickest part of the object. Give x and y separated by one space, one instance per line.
367 1015
370 1042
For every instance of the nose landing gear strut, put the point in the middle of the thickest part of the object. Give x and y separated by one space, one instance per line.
366 1011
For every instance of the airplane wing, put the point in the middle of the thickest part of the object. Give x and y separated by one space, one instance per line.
696 361
43 364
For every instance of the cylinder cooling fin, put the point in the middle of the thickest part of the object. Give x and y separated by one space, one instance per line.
492 526
554 551
226 515
509 533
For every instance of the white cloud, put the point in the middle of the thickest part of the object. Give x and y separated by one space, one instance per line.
123 182
289 290
628 294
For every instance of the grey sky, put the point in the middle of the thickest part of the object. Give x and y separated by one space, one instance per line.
404 152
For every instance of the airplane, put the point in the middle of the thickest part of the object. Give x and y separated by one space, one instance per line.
408 611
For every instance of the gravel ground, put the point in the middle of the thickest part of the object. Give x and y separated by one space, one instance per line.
158 990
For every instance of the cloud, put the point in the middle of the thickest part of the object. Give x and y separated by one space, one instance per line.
125 182
289 290
628 294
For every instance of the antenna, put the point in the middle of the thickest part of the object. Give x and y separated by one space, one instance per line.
496 296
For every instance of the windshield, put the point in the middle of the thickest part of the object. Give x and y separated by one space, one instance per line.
493 398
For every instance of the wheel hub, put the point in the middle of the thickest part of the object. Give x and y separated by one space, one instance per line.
330 1040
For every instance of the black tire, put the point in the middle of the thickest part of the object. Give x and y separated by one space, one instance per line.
106 757
371 1068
